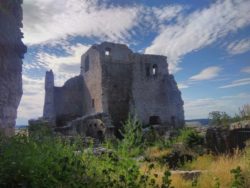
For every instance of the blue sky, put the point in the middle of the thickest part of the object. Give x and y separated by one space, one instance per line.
207 44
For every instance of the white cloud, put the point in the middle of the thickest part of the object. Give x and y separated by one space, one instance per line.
200 29
183 86
200 108
237 83
64 66
239 47
166 13
31 105
246 70
48 20
207 74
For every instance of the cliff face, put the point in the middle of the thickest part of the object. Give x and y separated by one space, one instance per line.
11 53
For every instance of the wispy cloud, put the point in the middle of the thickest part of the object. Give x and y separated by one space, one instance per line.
246 70
31 105
237 83
200 29
64 66
48 20
207 74
199 108
239 47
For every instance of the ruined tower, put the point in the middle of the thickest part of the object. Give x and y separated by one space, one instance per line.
12 51
49 105
116 81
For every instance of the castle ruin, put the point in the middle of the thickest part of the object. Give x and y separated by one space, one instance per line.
118 82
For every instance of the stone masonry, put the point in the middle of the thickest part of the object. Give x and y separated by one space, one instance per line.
116 81
12 50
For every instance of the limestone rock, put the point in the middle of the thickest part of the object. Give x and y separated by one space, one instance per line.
11 53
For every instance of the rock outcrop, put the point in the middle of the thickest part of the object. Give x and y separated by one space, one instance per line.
12 51
226 140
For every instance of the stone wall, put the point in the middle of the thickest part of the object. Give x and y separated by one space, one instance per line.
225 140
149 94
92 74
69 100
11 53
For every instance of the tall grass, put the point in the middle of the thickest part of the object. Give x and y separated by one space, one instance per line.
217 168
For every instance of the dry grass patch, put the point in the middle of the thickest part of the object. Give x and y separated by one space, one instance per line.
155 153
179 182
157 172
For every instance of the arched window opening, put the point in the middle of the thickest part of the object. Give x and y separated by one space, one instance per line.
155 70
86 63
107 51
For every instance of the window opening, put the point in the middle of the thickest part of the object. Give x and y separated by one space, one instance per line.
147 71
153 120
107 51
155 69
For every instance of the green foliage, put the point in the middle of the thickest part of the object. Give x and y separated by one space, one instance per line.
216 182
244 112
55 162
239 179
132 142
25 162
166 181
39 131
190 138
218 118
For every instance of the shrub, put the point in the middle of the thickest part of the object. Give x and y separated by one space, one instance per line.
217 118
190 138
132 142
56 162
238 180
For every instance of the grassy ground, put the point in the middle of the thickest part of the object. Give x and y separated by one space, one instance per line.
216 169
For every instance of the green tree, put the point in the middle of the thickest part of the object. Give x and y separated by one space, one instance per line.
218 118
132 142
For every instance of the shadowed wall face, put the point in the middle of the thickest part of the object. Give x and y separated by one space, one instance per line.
11 53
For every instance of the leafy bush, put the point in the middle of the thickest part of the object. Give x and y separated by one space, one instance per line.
132 142
55 162
238 180
190 138
39 131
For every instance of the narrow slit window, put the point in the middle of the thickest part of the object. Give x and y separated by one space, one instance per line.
93 103
155 69
147 71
